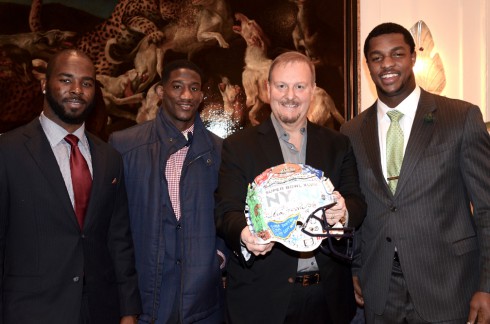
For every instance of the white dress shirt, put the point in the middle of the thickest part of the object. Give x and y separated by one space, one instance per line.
408 107
61 149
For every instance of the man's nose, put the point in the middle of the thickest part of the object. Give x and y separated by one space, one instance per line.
186 93
76 88
387 62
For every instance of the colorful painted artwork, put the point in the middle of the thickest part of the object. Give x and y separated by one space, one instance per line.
130 41
286 203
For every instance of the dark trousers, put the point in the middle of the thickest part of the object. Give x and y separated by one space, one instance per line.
399 306
307 305
84 310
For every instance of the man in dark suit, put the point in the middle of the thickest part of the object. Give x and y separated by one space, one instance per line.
425 242
268 283
59 263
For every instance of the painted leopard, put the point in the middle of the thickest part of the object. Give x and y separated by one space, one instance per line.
130 21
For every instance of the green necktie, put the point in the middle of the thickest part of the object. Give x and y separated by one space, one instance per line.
394 149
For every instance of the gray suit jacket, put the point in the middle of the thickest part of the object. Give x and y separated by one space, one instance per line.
444 247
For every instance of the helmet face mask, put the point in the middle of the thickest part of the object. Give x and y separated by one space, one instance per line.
287 204
344 249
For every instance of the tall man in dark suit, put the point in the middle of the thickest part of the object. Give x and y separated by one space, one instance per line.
64 257
425 242
268 283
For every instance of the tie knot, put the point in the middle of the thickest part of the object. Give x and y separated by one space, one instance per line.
72 140
394 115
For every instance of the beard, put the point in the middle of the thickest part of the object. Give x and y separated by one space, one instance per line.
286 118
65 115
289 119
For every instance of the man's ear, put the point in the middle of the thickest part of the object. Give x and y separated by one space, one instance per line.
43 85
159 90
414 57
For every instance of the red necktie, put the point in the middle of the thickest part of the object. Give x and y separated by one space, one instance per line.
80 178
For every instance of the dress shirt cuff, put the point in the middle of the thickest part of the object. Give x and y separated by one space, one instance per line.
246 254
222 258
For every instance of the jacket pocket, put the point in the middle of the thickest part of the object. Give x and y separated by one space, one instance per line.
465 245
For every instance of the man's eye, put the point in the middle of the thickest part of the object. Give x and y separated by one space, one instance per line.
376 58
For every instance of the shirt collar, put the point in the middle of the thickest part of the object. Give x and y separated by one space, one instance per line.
55 133
408 106
281 133
187 131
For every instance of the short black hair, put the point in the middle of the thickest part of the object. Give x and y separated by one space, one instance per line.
180 64
389 28
54 59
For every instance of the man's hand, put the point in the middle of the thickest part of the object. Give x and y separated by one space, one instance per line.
254 244
479 308
336 213
358 291
130 319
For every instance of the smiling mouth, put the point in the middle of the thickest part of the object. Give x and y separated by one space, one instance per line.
75 102
186 106
389 76
289 104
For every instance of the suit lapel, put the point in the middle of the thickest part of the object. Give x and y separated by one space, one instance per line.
98 169
370 139
420 136
42 153
313 147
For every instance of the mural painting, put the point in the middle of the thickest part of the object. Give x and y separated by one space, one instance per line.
130 42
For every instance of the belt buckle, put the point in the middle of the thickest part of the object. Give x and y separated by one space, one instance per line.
311 279
306 281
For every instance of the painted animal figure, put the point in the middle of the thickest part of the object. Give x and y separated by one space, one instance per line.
20 92
255 75
256 70
303 33
119 91
232 103
130 21
206 23
40 44
149 105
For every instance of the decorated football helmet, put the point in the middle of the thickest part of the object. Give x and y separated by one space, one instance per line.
287 204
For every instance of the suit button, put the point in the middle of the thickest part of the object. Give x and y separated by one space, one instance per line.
177 262
388 239
76 279
393 208
179 226
83 236
291 280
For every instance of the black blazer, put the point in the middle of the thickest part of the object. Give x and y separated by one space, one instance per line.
45 260
259 291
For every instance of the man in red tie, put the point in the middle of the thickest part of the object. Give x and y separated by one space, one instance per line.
66 253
